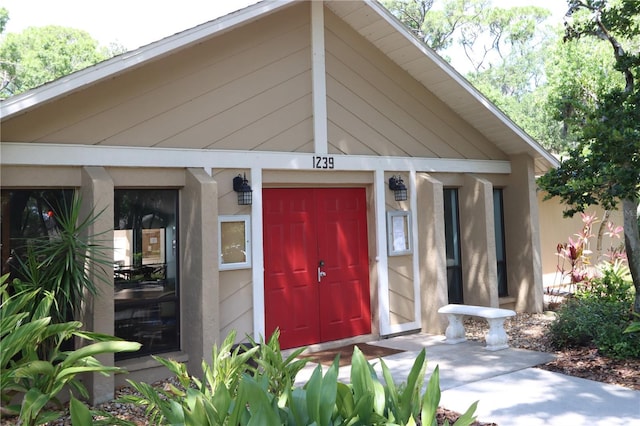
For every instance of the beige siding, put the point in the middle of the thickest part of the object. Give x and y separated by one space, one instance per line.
126 177
236 303
40 177
376 107
401 299
556 229
400 269
247 89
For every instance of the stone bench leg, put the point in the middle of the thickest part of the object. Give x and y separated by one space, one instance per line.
455 330
496 338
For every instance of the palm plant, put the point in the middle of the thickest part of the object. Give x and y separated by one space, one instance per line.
57 263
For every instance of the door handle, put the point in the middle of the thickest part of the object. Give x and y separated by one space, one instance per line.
321 273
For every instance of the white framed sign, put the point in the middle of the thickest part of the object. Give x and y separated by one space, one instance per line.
234 242
399 233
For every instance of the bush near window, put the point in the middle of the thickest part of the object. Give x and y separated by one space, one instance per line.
598 315
34 369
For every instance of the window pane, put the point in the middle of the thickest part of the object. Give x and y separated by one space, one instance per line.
501 256
233 242
28 214
146 269
452 233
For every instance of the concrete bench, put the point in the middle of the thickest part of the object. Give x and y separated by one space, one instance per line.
496 337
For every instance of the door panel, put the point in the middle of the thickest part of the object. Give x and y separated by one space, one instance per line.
290 271
304 227
342 243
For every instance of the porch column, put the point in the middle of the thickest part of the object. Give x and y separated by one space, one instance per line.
522 235
432 249
480 272
199 277
97 194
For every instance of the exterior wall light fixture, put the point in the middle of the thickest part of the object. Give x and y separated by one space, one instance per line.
245 193
397 186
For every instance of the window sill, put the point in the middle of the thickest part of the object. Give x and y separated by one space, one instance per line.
146 362
506 301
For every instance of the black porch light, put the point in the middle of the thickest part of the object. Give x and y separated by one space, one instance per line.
245 193
397 186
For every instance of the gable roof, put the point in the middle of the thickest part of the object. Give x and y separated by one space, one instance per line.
371 20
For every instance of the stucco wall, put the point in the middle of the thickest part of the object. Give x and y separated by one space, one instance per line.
556 229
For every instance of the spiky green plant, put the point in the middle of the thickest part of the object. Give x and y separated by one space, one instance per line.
58 263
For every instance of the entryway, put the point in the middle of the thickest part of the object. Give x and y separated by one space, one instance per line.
316 272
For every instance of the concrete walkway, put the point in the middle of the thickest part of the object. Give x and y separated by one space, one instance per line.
510 392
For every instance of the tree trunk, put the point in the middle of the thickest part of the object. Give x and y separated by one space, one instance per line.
632 244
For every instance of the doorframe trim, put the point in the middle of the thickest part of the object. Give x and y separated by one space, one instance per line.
257 229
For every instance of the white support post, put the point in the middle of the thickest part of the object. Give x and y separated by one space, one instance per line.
417 306
381 253
257 255
318 76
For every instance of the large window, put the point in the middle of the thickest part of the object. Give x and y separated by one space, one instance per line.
28 214
452 237
501 254
146 269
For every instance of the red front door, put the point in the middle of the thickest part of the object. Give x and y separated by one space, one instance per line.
307 229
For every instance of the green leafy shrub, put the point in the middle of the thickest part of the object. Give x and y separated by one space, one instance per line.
235 392
593 322
614 285
599 315
634 326
39 380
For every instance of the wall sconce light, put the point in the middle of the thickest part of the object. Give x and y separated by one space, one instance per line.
245 193
397 186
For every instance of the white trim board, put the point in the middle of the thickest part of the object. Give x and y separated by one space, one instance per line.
39 154
318 74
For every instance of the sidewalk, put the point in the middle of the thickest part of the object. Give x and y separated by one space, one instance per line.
510 392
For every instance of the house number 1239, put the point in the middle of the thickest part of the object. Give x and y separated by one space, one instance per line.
323 162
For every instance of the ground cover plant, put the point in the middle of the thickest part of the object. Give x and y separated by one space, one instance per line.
237 391
34 368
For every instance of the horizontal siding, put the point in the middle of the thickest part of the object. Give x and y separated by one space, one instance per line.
401 299
246 89
401 296
236 304
383 97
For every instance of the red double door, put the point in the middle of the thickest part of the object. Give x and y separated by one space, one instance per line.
316 273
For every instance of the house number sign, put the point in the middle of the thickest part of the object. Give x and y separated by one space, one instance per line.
323 162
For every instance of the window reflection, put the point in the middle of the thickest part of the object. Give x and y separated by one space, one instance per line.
145 269
28 214
453 246
501 253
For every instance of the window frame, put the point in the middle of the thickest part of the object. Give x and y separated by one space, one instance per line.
241 218
145 312
396 230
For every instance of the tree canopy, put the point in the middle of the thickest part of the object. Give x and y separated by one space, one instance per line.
604 166
38 55
502 52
